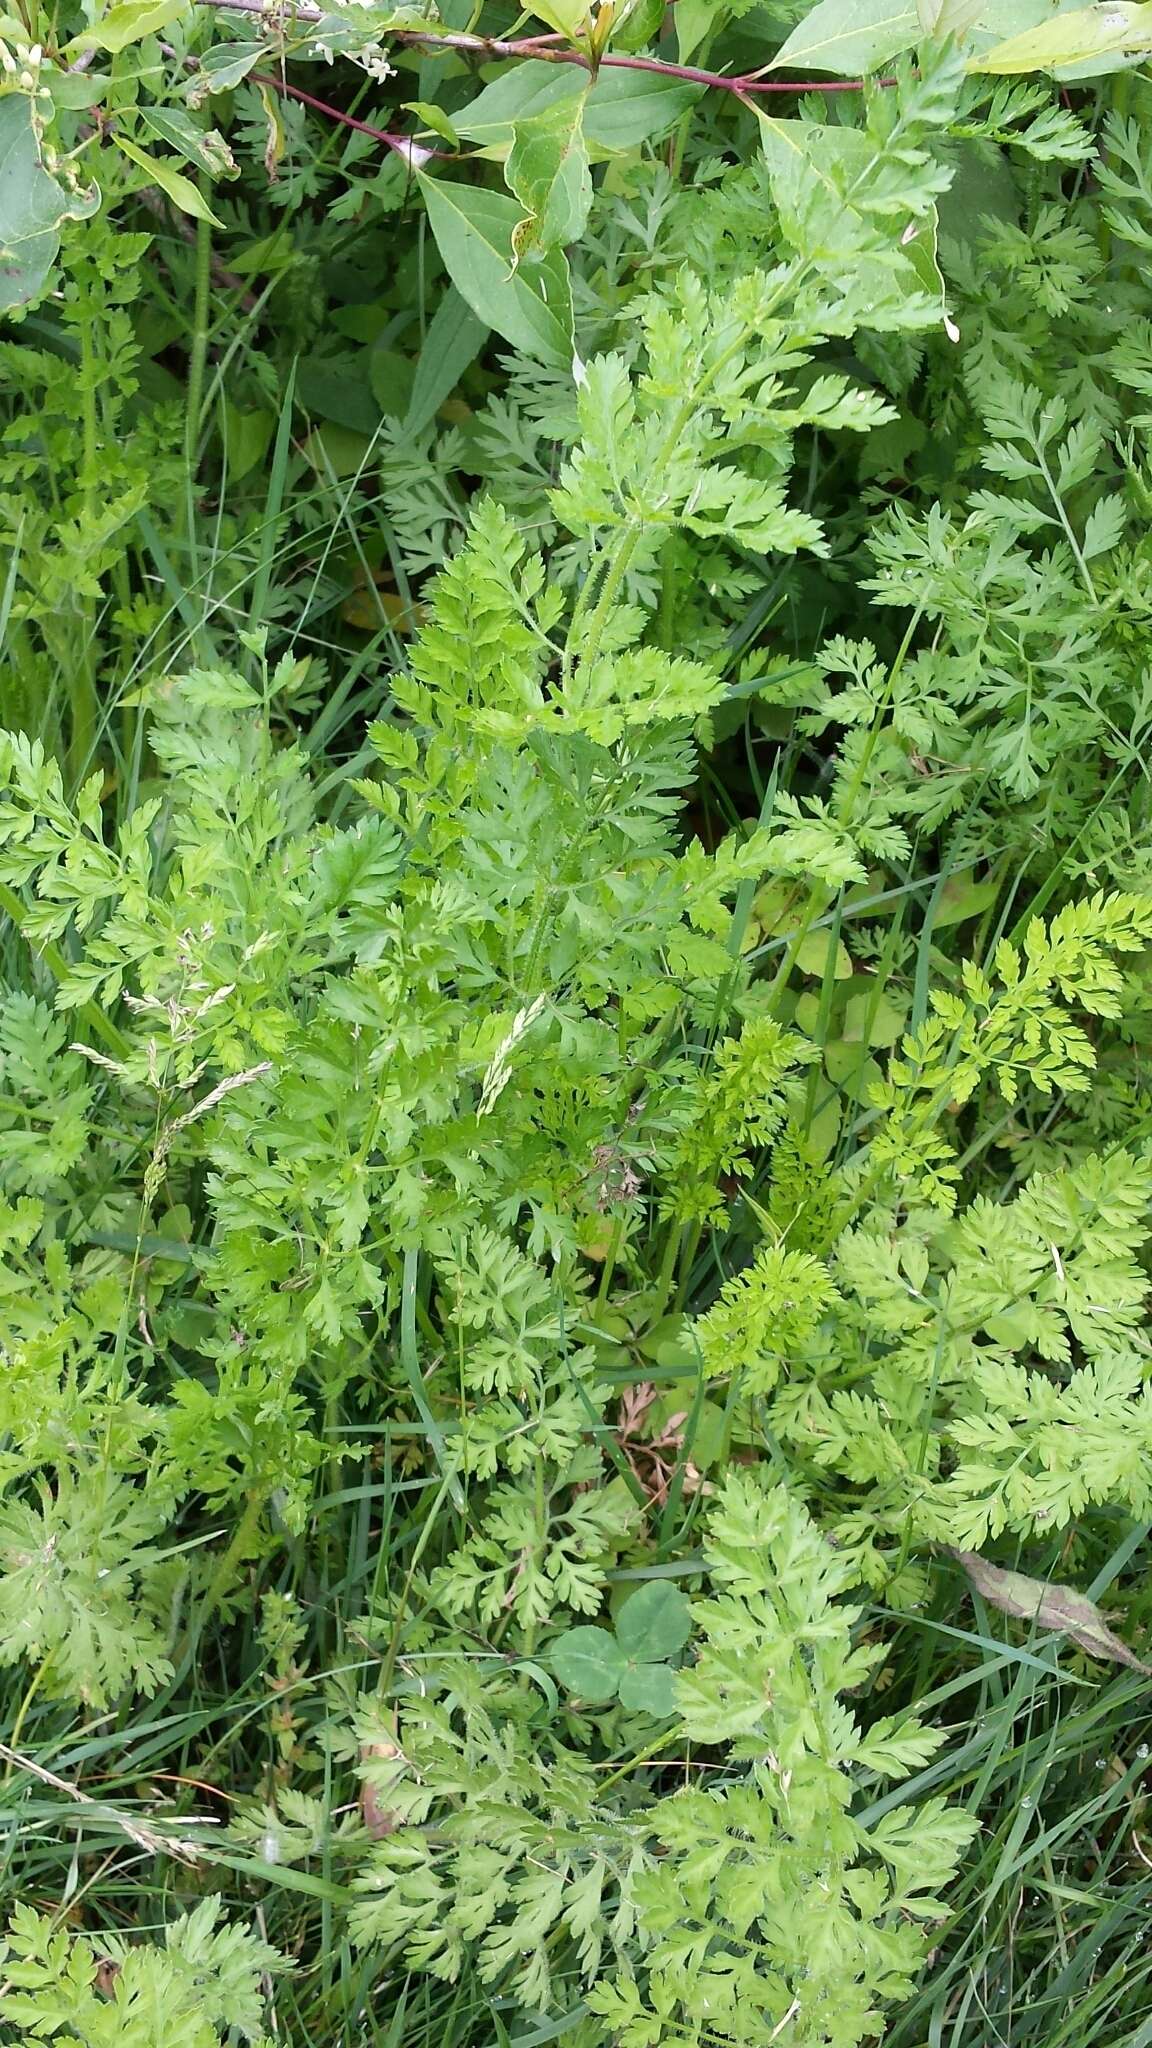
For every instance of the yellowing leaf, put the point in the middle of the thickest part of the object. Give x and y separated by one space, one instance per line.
1074 38
568 17
812 956
369 607
1060 1608
944 18
128 24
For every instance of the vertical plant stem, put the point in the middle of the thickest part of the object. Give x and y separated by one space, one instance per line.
81 670
197 362
222 1577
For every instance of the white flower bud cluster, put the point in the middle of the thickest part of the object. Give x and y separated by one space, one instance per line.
21 64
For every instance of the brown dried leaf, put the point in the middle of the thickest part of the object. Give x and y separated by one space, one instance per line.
107 1971
1060 1608
378 1820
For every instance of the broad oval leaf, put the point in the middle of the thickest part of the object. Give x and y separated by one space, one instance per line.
32 205
589 1664
626 108
530 306
623 108
518 94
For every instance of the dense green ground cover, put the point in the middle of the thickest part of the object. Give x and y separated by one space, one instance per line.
575 1126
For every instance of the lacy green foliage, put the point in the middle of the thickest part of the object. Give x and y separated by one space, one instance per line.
201 1987
441 1039
417 1060
79 462
993 1368
750 1895
651 1071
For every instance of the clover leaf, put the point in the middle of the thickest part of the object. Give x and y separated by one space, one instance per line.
654 1623
589 1663
628 1663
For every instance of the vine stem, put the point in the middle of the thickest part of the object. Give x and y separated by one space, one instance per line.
306 12
412 152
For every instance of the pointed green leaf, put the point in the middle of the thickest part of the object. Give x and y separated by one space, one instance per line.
695 22
181 191
531 306
435 119
129 23
623 108
850 36
944 18
454 339
517 94
568 17
222 68
626 108
203 147
637 23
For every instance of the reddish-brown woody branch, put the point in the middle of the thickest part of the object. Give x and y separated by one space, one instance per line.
402 144
545 51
